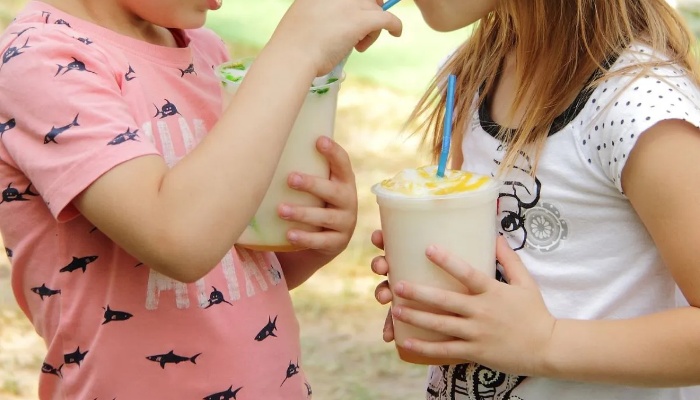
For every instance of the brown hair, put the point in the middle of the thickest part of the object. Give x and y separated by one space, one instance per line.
576 36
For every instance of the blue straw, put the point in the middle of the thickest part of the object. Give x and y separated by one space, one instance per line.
447 128
389 4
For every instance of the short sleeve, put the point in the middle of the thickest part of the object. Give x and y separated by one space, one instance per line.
70 121
624 107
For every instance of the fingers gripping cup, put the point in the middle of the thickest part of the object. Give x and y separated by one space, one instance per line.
419 209
267 231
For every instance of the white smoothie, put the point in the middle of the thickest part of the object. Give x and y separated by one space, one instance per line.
418 209
267 231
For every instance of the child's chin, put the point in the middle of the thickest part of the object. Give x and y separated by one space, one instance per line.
193 22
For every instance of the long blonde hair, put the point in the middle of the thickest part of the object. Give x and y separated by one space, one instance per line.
575 37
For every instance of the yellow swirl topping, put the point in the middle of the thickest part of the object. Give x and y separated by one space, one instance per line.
424 181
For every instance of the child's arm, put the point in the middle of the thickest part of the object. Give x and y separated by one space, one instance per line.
337 219
661 349
508 327
185 219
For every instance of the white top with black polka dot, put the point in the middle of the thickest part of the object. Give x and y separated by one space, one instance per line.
622 108
572 225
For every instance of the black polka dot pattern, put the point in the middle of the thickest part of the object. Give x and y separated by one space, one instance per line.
624 107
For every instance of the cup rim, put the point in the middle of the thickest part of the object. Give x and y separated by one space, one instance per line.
492 186
247 61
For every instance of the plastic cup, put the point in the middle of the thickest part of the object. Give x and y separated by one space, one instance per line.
267 231
463 223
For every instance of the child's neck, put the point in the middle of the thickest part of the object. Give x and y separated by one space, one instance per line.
114 17
502 96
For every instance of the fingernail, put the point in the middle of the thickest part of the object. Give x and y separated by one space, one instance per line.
386 298
296 180
293 236
430 251
325 143
286 211
399 288
407 345
396 310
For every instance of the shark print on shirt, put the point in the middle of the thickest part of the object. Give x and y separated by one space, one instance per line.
85 40
13 52
292 369
62 22
54 132
79 263
23 31
188 71
10 194
268 330
275 274
167 110
75 65
75 357
44 291
216 297
172 358
8 125
124 137
113 316
47 368
227 394
130 75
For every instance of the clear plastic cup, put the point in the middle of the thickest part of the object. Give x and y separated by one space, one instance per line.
463 223
267 231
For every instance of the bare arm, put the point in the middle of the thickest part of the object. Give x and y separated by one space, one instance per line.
508 326
661 349
239 154
183 232
298 267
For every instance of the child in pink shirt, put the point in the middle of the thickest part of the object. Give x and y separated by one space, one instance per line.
124 189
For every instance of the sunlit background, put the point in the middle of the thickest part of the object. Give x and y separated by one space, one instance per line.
341 324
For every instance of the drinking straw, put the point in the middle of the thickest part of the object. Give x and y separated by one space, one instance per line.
389 4
338 70
447 125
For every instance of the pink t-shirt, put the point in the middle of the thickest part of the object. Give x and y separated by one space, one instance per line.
77 100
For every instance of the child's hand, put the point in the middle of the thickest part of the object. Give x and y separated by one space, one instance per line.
326 31
339 217
365 43
383 293
503 326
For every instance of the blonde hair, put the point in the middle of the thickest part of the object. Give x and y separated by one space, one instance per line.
575 36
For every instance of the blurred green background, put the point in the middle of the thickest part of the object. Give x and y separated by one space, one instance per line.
402 63
341 323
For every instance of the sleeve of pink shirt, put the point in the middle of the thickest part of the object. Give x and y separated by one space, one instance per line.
72 124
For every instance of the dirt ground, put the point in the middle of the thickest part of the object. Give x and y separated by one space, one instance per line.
341 323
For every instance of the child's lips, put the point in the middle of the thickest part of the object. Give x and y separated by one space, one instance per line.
214 4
